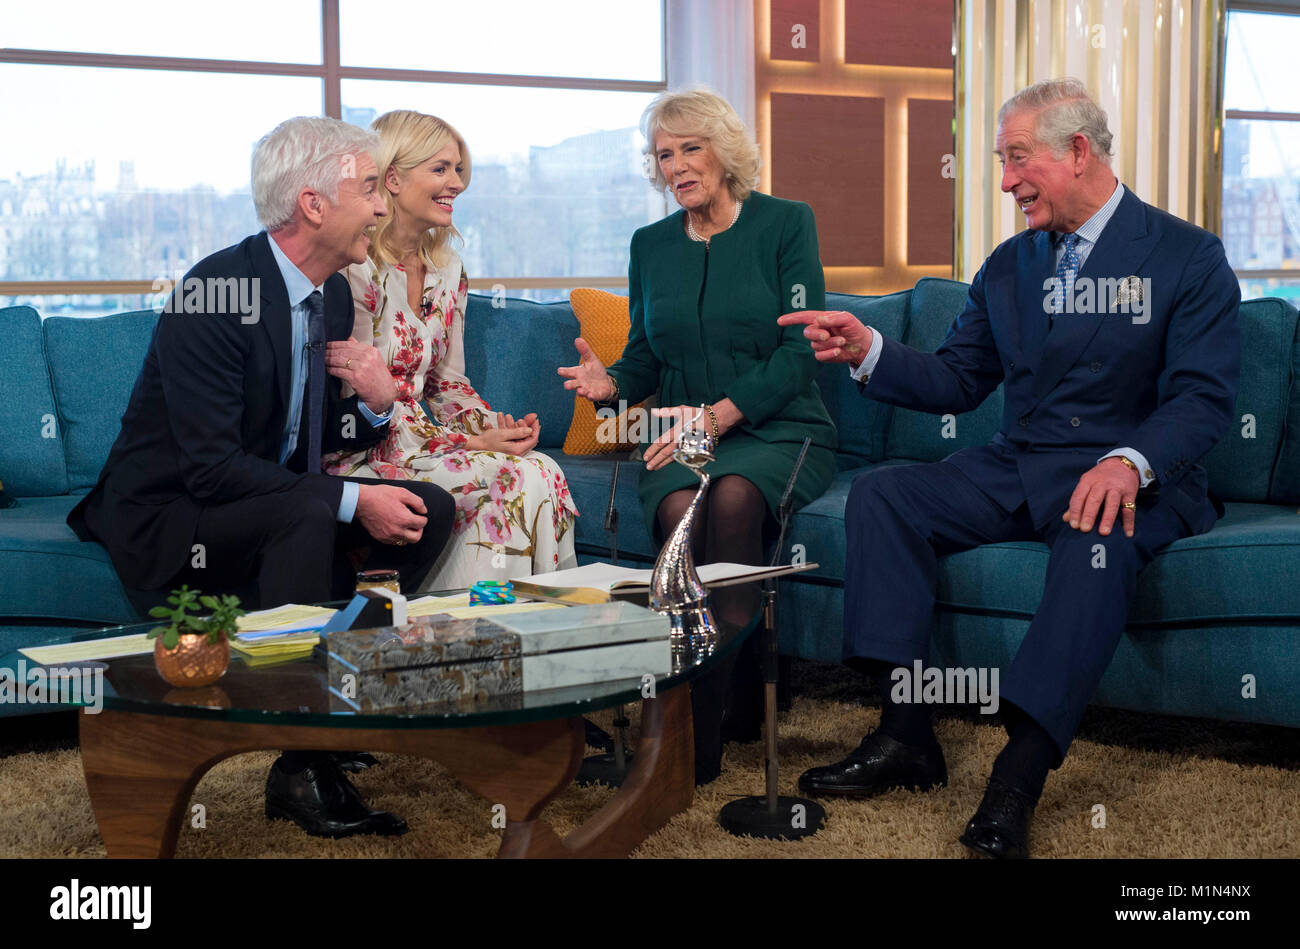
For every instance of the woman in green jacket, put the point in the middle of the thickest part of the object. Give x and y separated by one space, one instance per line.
706 286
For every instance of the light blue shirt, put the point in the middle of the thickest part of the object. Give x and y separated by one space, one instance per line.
1088 233
300 288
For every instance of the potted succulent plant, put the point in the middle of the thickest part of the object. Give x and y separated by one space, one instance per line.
192 650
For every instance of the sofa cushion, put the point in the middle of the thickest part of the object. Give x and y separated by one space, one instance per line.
31 453
819 526
860 422
589 478
1285 487
933 306
1241 464
499 340
94 363
46 572
1216 576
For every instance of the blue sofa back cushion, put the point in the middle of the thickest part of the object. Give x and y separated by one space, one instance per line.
511 354
860 422
933 305
1241 464
94 363
1285 488
31 455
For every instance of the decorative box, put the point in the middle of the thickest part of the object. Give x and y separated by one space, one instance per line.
600 642
439 660
434 660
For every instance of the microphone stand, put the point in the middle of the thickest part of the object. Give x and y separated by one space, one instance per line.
770 815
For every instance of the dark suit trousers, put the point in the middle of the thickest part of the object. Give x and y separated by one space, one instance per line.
900 520
291 546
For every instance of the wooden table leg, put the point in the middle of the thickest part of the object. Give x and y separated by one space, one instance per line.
140 781
660 784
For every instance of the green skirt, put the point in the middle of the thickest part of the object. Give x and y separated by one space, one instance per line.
766 464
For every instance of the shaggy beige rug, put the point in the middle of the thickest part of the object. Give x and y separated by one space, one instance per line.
1132 786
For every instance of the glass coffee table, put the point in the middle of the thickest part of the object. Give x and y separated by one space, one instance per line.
146 750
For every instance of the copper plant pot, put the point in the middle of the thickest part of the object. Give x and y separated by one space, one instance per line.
193 663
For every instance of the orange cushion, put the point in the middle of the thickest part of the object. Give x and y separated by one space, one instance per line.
604 322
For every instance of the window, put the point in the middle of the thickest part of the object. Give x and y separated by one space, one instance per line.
134 130
1261 152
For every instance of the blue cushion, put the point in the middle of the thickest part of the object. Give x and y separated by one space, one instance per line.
511 354
31 453
46 572
1242 570
860 422
1240 467
1285 488
94 363
589 478
819 526
933 306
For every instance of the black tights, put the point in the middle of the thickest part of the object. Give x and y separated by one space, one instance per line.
728 529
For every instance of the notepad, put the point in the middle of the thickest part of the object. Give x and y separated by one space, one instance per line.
136 644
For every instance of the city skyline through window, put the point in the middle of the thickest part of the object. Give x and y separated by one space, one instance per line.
135 174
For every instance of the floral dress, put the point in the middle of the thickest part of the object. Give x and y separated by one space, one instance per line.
514 515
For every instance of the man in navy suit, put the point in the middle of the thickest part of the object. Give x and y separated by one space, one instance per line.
1113 326
215 478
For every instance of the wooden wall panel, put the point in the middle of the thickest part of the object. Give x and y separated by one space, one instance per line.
914 33
786 15
832 122
930 196
830 151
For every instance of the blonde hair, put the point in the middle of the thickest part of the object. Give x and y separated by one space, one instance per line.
407 139
703 114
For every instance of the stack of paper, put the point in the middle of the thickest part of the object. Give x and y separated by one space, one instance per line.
289 632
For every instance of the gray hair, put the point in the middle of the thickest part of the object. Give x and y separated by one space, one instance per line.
304 152
1064 110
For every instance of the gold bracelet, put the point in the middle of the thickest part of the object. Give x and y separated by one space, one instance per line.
614 383
713 420
1129 462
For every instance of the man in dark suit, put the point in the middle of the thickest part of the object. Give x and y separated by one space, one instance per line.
215 479
1114 328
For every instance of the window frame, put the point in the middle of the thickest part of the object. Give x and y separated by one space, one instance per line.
1253 115
331 72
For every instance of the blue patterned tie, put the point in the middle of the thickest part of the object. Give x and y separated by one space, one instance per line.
1066 271
315 377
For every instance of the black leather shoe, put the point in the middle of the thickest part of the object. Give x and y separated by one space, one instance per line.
354 762
1000 828
323 802
878 765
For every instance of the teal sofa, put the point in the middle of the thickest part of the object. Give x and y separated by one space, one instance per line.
1215 630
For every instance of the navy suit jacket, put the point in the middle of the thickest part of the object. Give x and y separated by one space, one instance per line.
1163 382
206 420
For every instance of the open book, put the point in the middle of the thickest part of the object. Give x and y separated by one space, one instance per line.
596 582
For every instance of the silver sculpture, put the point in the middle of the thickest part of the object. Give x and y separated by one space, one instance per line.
675 587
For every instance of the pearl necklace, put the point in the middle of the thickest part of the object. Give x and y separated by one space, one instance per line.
690 228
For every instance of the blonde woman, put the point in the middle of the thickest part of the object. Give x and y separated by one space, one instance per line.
514 515
706 286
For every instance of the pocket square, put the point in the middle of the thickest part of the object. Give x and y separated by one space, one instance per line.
1128 295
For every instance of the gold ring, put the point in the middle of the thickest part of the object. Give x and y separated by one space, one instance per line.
1129 504
348 364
